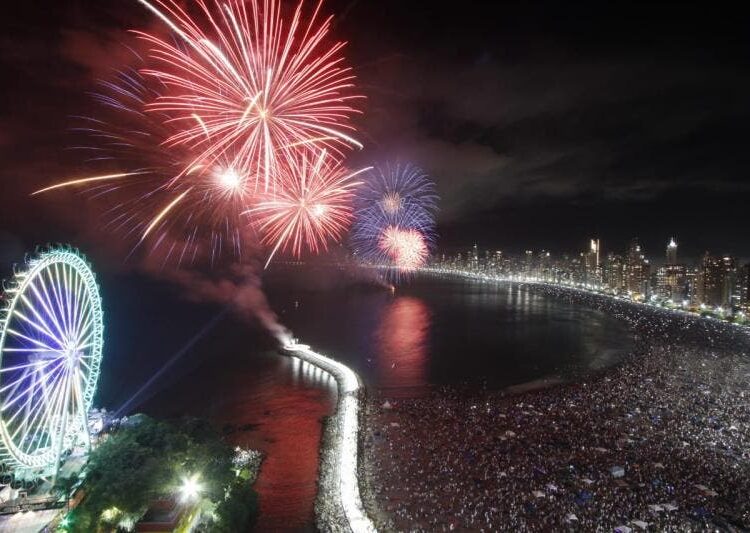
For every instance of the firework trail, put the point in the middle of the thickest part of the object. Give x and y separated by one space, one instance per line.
394 226
241 113
183 208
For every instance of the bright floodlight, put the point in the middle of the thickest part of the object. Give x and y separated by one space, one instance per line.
50 351
190 488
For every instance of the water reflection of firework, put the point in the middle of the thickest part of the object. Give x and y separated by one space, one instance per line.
401 340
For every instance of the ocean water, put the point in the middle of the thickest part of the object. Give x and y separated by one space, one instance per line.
423 334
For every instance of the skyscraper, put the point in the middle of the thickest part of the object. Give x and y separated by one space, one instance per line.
672 282
614 273
729 280
528 262
715 283
671 279
637 270
743 289
591 264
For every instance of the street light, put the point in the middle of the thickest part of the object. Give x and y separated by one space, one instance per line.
191 488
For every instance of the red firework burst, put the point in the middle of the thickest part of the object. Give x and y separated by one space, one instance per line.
248 83
237 110
406 247
313 207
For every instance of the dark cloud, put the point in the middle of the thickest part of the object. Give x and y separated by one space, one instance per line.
521 109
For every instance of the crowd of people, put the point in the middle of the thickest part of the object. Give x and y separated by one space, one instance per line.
660 442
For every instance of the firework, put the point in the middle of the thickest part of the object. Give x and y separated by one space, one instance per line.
244 80
170 201
406 248
237 112
398 242
394 226
391 186
313 207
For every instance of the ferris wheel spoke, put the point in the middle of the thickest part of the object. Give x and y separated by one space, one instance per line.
15 398
55 415
71 295
46 303
17 383
77 307
80 386
64 288
68 294
84 308
40 318
53 280
89 334
36 326
36 418
83 347
80 310
26 393
84 331
34 341
25 365
41 422
84 363
51 288
85 319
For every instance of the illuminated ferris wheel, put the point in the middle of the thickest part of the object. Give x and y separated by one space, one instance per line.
50 351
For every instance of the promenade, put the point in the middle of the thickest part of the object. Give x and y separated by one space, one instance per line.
339 507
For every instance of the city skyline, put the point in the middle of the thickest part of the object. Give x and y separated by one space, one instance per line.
711 283
693 255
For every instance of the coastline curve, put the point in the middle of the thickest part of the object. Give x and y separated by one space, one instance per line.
592 291
343 484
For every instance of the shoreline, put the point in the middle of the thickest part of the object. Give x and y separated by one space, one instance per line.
572 289
660 439
338 506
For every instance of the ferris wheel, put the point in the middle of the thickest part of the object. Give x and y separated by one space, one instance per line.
50 351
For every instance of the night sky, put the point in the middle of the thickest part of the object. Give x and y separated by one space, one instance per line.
542 123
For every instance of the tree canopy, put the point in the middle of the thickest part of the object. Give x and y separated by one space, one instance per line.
146 460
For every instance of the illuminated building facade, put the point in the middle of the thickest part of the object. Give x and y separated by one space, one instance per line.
614 273
637 270
592 272
715 281
672 278
743 289
672 282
